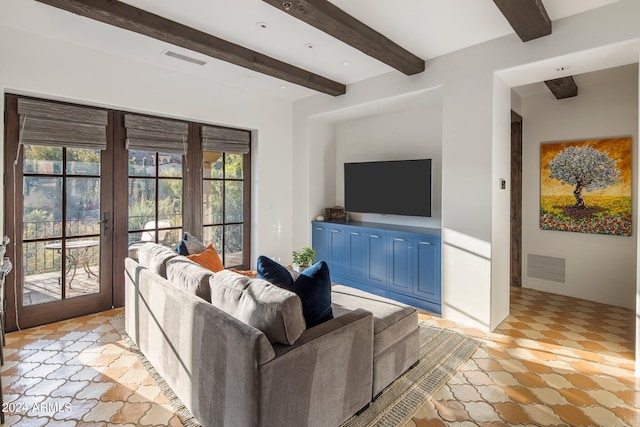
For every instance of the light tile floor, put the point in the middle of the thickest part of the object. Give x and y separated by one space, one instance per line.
554 361
79 373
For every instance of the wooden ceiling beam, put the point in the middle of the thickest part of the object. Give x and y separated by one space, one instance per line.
327 17
528 18
130 18
564 87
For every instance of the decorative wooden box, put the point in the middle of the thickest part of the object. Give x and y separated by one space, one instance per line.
335 213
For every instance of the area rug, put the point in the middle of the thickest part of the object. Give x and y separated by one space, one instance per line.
442 352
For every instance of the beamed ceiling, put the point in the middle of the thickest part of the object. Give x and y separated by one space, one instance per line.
301 47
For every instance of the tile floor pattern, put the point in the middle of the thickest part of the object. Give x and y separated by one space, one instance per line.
555 361
79 373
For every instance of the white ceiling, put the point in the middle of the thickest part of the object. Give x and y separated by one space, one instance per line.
427 28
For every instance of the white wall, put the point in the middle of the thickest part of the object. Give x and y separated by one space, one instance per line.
475 135
598 267
398 135
48 68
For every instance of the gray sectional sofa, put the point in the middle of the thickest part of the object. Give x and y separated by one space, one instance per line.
236 351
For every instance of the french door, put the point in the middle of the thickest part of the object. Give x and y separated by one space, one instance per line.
59 218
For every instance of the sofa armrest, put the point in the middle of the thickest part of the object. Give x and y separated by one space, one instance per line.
322 379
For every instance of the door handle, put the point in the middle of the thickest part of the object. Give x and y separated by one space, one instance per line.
106 217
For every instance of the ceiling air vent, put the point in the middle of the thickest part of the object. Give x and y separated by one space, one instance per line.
183 57
547 268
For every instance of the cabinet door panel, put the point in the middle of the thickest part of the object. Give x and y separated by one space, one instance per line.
337 250
356 253
320 243
401 265
427 280
376 260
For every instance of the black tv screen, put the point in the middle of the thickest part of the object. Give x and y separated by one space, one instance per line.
401 187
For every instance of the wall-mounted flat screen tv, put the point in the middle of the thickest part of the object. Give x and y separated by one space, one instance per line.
399 187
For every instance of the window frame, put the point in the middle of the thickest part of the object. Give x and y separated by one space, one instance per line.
157 178
246 207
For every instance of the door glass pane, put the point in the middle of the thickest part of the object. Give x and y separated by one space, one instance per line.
42 214
170 202
39 159
170 238
213 235
212 164
142 163
82 161
83 206
232 245
82 274
42 272
233 201
212 202
170 165
142 201
233 166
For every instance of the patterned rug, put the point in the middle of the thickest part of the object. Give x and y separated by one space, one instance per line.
442 352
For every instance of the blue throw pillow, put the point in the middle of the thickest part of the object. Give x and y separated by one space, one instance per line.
274 273
189 245
313 286
181 249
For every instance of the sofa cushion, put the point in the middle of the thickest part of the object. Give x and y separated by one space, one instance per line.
275 311
189 276
313 286
392 320
208 258
154 257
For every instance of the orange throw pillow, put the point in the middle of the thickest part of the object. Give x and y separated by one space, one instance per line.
248 273
208 258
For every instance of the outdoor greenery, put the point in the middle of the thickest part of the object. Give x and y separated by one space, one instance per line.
43 199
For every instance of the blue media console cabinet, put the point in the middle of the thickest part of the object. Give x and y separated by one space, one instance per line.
393 261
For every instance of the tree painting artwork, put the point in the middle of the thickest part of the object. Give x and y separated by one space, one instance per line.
585 186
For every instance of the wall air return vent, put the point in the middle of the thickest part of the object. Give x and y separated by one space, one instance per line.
551 269
183 57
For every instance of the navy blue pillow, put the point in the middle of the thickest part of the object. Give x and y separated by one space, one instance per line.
274 273
313 286
181 249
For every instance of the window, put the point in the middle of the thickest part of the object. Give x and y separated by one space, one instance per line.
155 197
226 193
156 148
223 205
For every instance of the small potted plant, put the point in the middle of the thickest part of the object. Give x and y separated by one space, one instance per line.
303 258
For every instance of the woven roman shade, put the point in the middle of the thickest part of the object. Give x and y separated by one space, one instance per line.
225 140
155 134
62 125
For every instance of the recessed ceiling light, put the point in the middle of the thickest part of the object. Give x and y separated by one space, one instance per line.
346 63
283 87
310 46
262 25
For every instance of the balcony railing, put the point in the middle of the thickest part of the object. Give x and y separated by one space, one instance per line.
38 259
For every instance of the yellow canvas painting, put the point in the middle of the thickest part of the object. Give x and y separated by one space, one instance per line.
585 186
